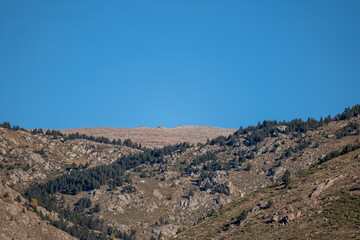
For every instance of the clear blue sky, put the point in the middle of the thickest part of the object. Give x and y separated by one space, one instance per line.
71 63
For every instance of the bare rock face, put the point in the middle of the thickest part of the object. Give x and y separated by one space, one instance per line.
322 186
281 128
185 202
2 151
36 158
279 172
254 209
158 194
262 204
19 176
167 231
275 218
290 217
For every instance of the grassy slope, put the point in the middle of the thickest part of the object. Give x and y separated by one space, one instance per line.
333 214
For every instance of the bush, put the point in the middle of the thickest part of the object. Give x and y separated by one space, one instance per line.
248 167
34 203
241 217
191 193
96 209
143 175
286 178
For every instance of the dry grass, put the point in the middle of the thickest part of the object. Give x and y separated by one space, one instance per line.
334 214
156 137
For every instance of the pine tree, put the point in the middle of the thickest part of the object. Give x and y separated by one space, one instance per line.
286 178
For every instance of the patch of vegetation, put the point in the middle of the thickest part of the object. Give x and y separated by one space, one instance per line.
248 167
313 169
348 148
270 203
349 129
348 113
128 189
8 126
206 181
343 211
26 167
236 220
82 204
10 167
286 178
89 179
256 134
143 175
40 152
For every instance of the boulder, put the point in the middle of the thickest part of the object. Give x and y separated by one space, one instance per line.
290 217
184 203
275 218
37 158
254 209
322 186
167 231
158 194
3 237
281 128
193 203
2 151
279 172
263 204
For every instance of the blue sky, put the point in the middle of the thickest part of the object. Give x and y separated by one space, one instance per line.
71 63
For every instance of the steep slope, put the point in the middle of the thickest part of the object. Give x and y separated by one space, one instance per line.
322 202
27 158
18 221
156 137
142 193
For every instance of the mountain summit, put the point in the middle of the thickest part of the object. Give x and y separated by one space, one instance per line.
156 137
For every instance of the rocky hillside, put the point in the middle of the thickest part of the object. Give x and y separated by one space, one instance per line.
322 202
19 221
156 137
218 189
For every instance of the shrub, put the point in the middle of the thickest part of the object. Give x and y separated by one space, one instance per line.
34 202
286 178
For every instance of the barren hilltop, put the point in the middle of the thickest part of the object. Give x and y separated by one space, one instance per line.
156 137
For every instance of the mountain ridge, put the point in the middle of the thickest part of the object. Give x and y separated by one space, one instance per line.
158 136
95 189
